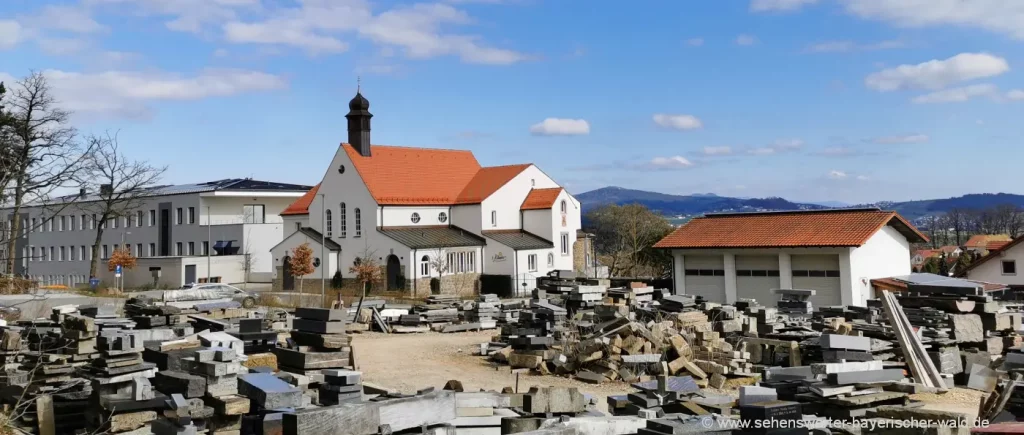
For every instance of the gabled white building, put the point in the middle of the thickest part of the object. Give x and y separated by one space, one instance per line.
1002 266
731 256
430 213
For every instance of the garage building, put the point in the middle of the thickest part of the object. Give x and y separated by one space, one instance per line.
726 257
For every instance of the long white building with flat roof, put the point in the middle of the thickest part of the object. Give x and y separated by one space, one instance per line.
236 221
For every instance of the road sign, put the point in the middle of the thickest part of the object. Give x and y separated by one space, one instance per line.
117 271
94 282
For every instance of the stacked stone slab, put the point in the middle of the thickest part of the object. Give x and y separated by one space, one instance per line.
793 301
120 378
340 386
255 339
318 342
483 312
219 368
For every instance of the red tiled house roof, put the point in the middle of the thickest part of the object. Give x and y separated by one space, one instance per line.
540 199
992 254
421 176
819 228
301 205
979 241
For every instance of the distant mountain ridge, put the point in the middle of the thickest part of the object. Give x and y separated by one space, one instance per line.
676 205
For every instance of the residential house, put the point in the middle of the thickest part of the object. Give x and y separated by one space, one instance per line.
980 242
725 257
1002 265
435 219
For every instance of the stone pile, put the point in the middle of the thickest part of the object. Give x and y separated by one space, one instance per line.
318 341
217 368
340 386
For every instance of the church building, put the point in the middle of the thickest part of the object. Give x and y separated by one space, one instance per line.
434 219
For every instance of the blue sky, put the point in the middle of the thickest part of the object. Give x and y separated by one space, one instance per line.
812 100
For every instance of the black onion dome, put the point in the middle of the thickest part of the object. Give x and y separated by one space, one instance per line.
359 103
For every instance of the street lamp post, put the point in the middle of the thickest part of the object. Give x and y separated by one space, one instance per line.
209 244
323 243
123 246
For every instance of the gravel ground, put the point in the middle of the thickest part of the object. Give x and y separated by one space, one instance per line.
408 362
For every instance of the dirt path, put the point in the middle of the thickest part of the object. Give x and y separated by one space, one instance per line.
409 362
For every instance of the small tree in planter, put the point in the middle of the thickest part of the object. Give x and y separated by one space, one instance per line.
366 271
121 257
301 263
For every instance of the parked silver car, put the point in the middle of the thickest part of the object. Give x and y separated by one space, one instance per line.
224 291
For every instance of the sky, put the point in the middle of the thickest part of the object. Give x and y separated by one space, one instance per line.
811 100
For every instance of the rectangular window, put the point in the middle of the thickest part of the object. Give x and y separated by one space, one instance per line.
1009 267
191 215
472 262
531 262
152 250
32 257
178 216
138 218
494 218
254 213
60 254
138 250
112 223
329 221
49 225
206 248
82 224
152 217
74 225
359 223
92 223
51 253
425 268
343 221
32 228
462 262
127 220
177 247
105 254
71 253
191 248
565 243
81 253
61 223
450 264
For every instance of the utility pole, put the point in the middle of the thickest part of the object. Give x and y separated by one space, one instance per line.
323 243
209 244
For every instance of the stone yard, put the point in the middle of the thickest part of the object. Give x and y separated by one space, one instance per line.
410 362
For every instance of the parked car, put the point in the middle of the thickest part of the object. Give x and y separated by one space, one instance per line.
197 292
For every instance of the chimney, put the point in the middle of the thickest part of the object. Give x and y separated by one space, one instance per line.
106 189
81 192
359 124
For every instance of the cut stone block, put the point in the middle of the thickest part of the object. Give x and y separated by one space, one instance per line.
423 410
789 373
311 360
175 382
518 360
835 356
830 368
229 405
864 377
320 327
752 394
967 328
342 377
845 342
269 392
321 314
982 378
343 419
555 400
222 386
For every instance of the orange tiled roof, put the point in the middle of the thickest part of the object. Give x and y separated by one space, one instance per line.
994 245
539 199
949 249
414 176
819 228
928 253
995 253
487 181
301 205
979 241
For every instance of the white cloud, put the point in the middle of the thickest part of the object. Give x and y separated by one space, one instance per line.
419 30
906 139
561 127
779 5
850 46
746 40
10 34
837 175
191 16
1016 94
62 46
674 162
123 93
717 151
1000 16
958 95
937 74
863 178
762 151
695 42
778 147
67 18
678 122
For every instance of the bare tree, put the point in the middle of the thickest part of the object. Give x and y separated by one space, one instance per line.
44 153
626 234
248 258
121 185
958 220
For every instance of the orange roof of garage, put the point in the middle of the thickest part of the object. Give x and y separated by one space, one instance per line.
817 228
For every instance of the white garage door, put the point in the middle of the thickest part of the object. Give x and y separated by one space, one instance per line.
705 276
821 273
756 276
